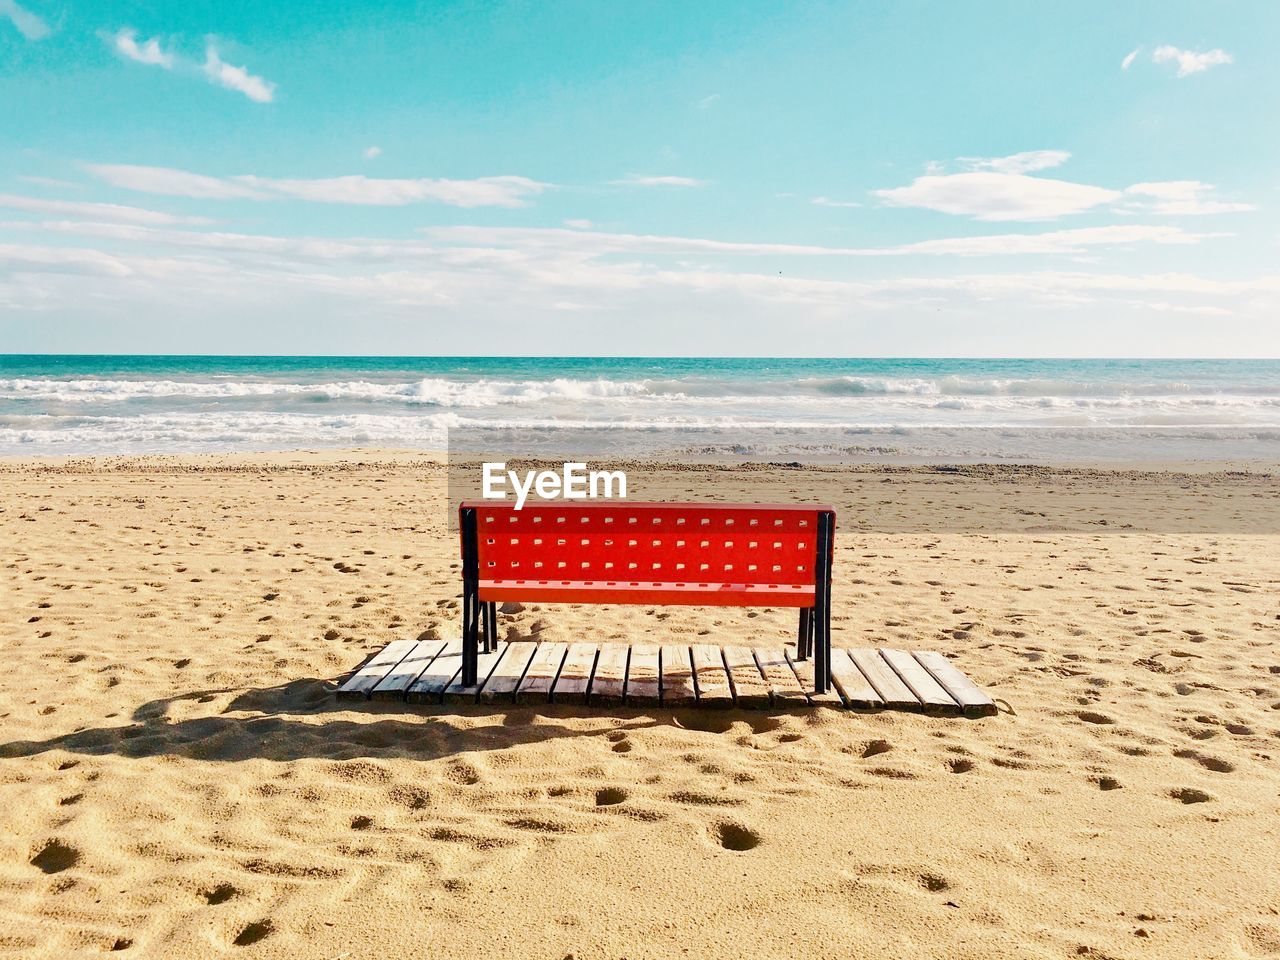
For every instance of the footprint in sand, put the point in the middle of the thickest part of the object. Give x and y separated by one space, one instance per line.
736 837
1090 716
1190 795
463 773
610 796
1209 763
253 933
220 894
876 747
56 856
960 765
1107 783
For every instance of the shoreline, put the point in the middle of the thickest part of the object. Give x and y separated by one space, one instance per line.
354 457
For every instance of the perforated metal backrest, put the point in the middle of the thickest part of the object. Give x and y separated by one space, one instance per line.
655 542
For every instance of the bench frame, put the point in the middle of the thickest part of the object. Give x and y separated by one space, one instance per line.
480 617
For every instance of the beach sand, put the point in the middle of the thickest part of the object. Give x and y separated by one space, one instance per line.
177 779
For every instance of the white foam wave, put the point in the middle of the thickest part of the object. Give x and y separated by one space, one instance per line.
431 391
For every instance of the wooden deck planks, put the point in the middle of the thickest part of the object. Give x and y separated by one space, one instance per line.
609 684
506 676
454 691
928 691
784 687
644 676
575 675
430 683
973 702
749 688
677 677
399 677
710 677
541 674
804 673
858 694
358 685
888 684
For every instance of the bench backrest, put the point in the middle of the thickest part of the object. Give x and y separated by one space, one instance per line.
666 542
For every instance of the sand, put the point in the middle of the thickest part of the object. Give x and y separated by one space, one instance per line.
177 779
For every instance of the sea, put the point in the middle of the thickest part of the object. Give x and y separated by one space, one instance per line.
879 410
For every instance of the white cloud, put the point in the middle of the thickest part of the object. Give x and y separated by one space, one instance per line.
149 52
445 285
540 241
708 101
503 191
26 22
641 180
828 202
998 196
172 183
237 78
1190 61
107 212
480 192
1181 198
1132 55
372 153
1027 162
999 188
60 260
579 224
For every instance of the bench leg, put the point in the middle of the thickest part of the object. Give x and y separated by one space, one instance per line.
822 606
490 627
470 599
804 639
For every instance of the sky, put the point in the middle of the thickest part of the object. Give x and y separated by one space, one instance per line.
712 178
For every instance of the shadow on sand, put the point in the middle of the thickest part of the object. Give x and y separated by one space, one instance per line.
303 719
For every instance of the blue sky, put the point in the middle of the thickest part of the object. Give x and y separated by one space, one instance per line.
713 178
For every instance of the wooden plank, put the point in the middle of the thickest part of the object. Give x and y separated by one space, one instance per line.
973 702
784 688
677 677
804 673
644 678
358 685
853 686
430 683
453 690
609 685
541 673
888 684
575 675
930 693
749 687
710 677
505 677
399 677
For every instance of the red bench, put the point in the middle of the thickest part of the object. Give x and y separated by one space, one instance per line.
701 554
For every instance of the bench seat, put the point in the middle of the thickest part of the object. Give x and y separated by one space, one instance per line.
702 594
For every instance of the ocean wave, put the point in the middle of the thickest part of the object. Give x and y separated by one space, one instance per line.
435 391
1010 387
